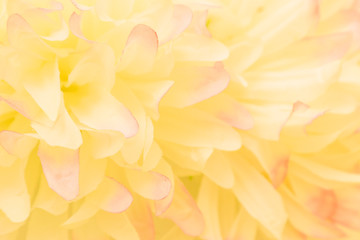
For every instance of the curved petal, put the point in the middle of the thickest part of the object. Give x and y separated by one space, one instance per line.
140 51
194 84
61 169
150 185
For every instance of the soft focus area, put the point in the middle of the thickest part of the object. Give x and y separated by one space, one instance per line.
180 120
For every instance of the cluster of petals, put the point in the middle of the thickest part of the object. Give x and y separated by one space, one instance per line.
179 119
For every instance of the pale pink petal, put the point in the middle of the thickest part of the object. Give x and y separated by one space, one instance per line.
209 209
185 212
101 111
306 222
61 169
179 21
193 47
75 26
12 142
228 110
82 6
141 218
194 84
140 51
151 185
115 197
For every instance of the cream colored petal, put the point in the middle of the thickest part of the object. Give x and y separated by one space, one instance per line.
96 67
103 144
141 218
326 172
49 227
63 132
218 169
250 189
61 169
243 227
179 21
151 185
227 109
75 26
115 198
117 226
12 142
44 86
140 51
112 10
48 22
193 47
160 206
14 197
101 111
275 24
209 209
47 200
150 94
184 211
205 132
195 84
307 223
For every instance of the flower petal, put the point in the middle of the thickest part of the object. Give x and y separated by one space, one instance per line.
250 189
101 111
206 131
140 51
151 185
195 84
61 169
184 211
193 47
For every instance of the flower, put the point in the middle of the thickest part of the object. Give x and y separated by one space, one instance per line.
179 119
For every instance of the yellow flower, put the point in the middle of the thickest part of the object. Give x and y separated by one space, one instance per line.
159 119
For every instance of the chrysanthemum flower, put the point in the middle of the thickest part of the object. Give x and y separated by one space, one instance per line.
159 119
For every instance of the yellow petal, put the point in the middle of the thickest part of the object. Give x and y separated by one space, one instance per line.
112 10
193 47
44 87
140 51
218 169
209 209
227 109
117 226
63 132
307 223
205 132
61 169
101 111
184 211
250 189
195 84
179 21
151 185
115 197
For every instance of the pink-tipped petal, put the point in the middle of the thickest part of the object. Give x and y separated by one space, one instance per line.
115 197
151 185
195 84
61 169
140 51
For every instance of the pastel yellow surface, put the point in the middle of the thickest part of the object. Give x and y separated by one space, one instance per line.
179 119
